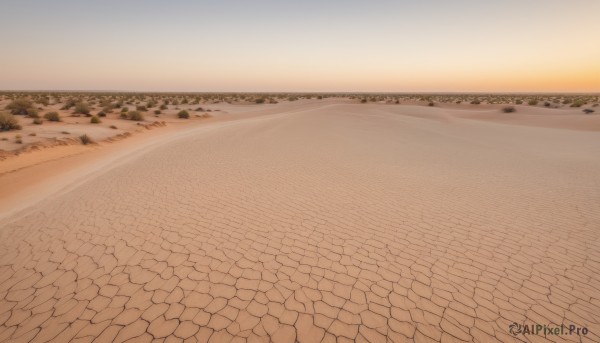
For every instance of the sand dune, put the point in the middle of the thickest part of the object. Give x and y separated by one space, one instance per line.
316 221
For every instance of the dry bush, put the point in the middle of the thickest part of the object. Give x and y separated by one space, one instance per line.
183 114
508 109
22 106
135 115
85 139
95 120
44 101
578 103
8 122
82 108
68 104
52 116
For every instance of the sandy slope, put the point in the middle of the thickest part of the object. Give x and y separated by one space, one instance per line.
320 221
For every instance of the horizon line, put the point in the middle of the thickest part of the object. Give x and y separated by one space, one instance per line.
301 92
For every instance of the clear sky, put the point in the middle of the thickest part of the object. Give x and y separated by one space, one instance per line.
279 45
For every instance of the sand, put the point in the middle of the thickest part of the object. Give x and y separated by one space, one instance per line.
314 221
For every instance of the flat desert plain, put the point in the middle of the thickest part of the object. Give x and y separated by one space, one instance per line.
314 220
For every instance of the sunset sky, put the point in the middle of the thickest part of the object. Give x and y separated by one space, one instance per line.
357 46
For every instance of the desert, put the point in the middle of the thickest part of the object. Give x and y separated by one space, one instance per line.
310 219
299 171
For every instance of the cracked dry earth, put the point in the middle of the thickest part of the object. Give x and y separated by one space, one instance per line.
340 223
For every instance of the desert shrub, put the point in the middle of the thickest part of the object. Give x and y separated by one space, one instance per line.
43 101
183 114
85 139
363 101
37 121
52 116
431 104
95 120
157 112
508 109
82 108
588 111
22 106
65 132
18 139
578 103
547 104
102 114
68 104
33 113
532 102
125 109
141 108
475 102
260 101
519 102
8 122
163 107
135 115
33 134
113 127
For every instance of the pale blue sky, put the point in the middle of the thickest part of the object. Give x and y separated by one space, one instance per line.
467 45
